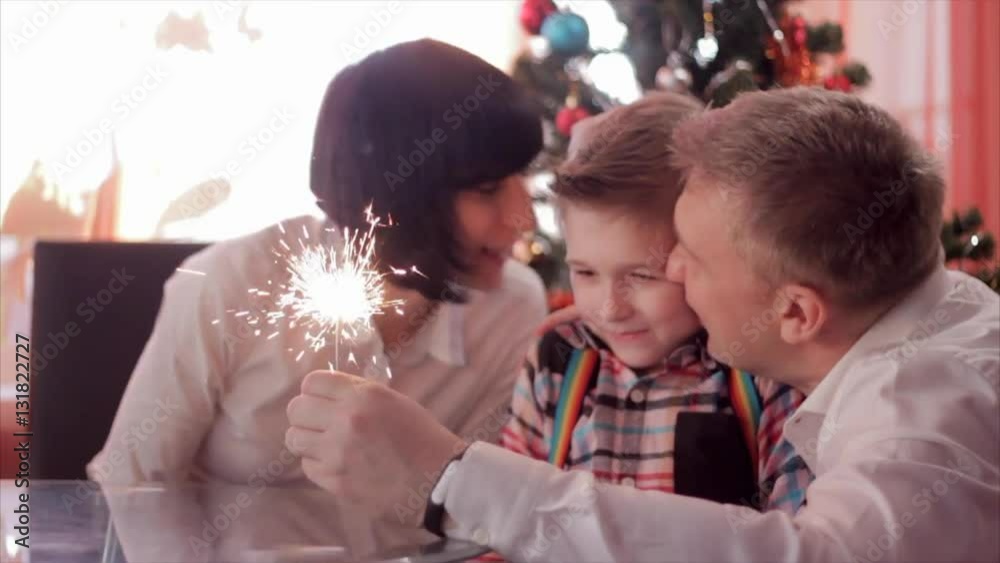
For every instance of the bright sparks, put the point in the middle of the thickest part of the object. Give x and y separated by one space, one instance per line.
334 293
186 271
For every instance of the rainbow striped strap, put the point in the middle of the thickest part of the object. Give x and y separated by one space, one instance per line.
746 404
582 367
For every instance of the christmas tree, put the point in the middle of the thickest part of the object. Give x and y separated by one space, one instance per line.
968 247
585 57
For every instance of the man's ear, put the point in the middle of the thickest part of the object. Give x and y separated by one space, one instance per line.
802 313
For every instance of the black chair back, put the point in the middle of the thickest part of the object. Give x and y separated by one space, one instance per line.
93 308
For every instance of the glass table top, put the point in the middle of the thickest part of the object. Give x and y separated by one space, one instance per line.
74 521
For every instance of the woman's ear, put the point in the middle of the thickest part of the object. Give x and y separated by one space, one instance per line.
802 313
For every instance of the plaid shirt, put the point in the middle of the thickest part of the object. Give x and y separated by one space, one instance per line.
625 431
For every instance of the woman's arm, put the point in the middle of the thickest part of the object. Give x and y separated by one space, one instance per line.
170 401
524 308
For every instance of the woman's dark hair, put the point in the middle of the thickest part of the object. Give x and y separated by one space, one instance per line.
404 130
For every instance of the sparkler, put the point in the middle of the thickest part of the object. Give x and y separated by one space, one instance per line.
334 292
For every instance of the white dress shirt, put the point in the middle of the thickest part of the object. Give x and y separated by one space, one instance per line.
902 435
208 396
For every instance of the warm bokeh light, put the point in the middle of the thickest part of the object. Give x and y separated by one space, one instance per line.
243 112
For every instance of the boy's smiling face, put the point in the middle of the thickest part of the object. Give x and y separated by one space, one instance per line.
619 283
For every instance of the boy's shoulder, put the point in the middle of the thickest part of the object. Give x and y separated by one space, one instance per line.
556 347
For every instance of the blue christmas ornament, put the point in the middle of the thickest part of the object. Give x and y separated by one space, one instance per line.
567 33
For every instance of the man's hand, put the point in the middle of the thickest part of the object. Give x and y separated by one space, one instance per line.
365 442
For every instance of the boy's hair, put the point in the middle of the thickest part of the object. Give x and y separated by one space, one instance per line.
405 130
620 159
833 192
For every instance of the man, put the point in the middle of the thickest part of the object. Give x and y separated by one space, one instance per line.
809 249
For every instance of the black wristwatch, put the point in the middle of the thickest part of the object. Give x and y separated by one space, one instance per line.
434 513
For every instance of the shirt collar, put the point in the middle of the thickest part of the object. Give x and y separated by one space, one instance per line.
446 341
445 332
689 358
885 336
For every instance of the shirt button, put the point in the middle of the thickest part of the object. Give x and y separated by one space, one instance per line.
628 481
481 536
637 396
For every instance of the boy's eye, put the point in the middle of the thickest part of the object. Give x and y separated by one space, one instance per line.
583 273
641 276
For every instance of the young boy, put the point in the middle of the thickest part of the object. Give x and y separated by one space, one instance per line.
629 392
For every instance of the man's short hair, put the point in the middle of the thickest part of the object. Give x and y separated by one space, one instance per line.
833 192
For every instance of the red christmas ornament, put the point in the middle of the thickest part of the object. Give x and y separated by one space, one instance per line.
568 117
793 62
838 82
798 32
559 299
534 12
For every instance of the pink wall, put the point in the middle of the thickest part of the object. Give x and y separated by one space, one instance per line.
935 68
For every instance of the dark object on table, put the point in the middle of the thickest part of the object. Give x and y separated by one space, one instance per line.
93 308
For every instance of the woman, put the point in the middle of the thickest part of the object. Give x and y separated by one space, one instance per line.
426 134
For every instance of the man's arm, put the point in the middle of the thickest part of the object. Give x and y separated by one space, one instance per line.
916 484
895 482
530 511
